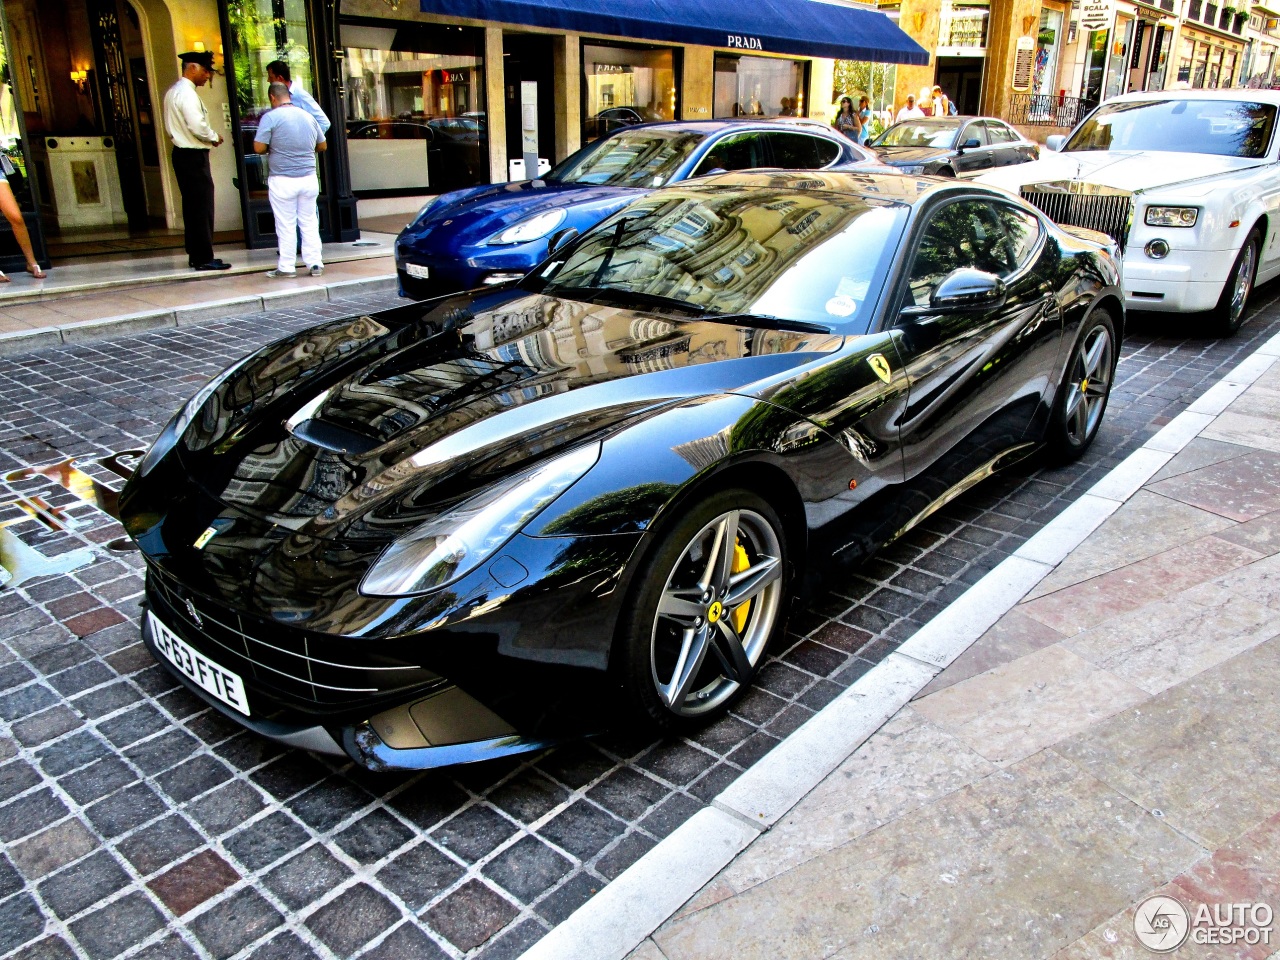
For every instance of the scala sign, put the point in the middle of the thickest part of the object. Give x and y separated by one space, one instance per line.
1097 14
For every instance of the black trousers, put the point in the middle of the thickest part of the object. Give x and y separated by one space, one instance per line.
195 183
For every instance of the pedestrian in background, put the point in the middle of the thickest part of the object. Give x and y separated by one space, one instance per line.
291 138
13 213
864 117
187 122
942 105
910 111
278 72
847 120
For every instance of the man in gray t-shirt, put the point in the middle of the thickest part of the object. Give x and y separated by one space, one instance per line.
291 138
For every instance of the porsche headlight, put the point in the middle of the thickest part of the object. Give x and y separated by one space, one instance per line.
912 168
182 419
1172 216
532 229
456 542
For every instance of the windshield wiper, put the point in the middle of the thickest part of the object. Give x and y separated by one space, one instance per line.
766 322
626 298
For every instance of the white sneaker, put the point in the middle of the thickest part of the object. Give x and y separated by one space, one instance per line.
318 270
281 275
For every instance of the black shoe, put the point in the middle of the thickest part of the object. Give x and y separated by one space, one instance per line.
211 265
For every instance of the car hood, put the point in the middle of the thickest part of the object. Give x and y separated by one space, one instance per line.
415 407
904 155
1132 170
475 215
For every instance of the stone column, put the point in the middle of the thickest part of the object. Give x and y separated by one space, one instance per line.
568 71
1009 20
697 83
920 20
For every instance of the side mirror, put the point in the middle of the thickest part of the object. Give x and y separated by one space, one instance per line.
970 144
961 291
1056 141
560 239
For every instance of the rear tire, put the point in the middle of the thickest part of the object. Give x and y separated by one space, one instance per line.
694 631
1228 316
1082 396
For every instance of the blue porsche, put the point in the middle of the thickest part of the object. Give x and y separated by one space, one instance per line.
490 234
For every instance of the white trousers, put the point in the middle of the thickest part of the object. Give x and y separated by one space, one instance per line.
293 203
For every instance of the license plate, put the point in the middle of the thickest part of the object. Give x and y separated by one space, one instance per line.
209 676
413 270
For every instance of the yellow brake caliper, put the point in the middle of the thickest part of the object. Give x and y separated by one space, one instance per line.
740 563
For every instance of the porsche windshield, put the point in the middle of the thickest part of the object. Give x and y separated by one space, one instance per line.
1228 128
920 133
632 158
803 255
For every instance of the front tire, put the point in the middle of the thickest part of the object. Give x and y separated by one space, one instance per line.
709 598
1228 316
1086 386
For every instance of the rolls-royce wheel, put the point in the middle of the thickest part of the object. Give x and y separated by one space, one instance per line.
1228 315
1086 386
709 598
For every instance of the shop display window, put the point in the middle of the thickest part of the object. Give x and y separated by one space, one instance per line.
626 85
759 87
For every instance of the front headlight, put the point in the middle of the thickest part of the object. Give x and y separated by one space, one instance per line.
912 168
459 540
1172 216
182 419
532 229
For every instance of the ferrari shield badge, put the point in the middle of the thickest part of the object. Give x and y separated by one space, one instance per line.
881 366
208 534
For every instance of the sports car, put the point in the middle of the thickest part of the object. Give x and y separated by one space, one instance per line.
496 233
472 526
1187 184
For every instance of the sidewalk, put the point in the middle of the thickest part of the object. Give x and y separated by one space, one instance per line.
1112 736
94 297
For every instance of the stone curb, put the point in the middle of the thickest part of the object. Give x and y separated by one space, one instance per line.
24 341
619 918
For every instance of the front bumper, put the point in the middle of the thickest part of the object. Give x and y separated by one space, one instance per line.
1186 281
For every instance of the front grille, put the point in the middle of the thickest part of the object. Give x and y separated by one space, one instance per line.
304 668
1084 205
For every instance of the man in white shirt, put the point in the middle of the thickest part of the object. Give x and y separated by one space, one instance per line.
187 122
910 111
278 72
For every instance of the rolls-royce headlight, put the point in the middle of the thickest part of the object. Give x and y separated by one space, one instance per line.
453 544
182 419
532 229
1172 216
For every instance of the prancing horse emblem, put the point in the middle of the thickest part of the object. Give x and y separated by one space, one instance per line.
193 613
881 366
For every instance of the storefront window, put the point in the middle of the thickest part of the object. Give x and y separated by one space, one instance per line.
1048 42
622 86
1117 72
1096 64
758 87
1186 60
415 108
1201 67
263 31
963 26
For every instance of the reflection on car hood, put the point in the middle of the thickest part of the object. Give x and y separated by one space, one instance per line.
476 214
896 155
1122 169
448 394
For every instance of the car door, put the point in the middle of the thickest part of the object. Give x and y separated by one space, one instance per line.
975 160
802 151
1007 146
746 150
975 378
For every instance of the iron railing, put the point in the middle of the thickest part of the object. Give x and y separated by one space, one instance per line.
1048 110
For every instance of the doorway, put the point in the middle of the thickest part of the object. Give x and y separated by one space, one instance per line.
961 80
527 59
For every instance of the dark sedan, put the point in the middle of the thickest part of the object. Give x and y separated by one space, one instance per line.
953 146
458 529
493 234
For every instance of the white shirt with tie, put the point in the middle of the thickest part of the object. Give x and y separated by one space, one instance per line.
186 119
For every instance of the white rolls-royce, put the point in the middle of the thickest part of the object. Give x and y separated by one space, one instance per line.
1186 182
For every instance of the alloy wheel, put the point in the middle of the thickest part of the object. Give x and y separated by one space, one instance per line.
1242 283
1090 382
716 612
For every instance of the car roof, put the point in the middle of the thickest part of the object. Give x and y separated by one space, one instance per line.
900 187
708 127
1257 96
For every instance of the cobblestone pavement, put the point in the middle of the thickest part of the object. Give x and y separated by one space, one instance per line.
135 821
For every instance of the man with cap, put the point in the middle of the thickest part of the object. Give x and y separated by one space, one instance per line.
187 122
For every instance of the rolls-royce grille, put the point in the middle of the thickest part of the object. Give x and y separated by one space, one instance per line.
306 668
1084 205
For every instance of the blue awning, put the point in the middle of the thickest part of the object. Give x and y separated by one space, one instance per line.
806 28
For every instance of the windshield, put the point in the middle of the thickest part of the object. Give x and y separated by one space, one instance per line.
920 133
1229 128
801 255
631 158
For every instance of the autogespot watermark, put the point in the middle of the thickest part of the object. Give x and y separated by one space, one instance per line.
1162 924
